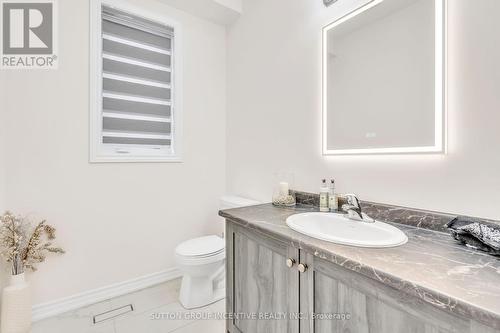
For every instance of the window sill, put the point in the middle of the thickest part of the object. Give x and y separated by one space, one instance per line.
135 159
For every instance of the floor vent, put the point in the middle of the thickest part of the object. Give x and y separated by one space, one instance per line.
99 318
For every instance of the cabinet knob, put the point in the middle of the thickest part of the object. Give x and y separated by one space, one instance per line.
290 262
302 268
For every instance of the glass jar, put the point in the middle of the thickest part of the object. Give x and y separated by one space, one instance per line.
282 196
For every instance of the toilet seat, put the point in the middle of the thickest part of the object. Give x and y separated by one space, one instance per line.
194 261
208 255
201 247
202 250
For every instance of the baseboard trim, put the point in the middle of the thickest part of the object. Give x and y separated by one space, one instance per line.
54 308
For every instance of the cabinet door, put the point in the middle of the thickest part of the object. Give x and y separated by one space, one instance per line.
345 301
260 285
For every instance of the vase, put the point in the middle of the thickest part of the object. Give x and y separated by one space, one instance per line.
16 306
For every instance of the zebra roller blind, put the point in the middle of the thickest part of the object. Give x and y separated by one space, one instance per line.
137 73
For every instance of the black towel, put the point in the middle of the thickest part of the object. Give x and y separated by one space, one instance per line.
477 234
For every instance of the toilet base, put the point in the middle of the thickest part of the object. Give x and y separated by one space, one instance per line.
197 292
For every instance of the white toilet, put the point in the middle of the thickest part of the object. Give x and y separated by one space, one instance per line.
202 263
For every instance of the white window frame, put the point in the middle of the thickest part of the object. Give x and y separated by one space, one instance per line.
98 151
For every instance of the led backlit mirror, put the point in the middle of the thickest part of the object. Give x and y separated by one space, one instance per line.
383 79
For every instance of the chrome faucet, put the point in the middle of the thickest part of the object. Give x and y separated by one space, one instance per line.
353 209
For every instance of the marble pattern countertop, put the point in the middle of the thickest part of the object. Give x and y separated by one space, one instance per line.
431 266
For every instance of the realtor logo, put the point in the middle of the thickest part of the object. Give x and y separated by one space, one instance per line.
28 34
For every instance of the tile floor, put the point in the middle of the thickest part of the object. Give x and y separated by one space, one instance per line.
156 310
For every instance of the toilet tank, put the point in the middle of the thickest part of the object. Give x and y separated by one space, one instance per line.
231 201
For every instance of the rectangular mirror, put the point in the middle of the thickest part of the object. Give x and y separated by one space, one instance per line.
383 79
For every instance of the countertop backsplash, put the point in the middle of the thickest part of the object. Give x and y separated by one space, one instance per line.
390 213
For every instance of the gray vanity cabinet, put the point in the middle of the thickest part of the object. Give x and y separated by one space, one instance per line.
260 281
344 301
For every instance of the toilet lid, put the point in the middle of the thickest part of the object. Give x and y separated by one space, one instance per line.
202 246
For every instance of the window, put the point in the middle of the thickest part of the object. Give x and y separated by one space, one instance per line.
135 114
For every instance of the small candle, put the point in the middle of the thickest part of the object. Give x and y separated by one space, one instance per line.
284 188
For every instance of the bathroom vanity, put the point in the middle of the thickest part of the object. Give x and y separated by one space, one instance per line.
279 280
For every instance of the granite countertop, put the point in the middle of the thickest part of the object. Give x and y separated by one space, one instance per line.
431 266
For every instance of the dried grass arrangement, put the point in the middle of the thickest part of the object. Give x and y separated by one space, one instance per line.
23 245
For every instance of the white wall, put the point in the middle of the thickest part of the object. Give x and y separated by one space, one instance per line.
2 143
3 205
274 112
116 221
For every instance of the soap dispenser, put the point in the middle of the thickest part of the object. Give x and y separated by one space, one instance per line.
333 203
323 197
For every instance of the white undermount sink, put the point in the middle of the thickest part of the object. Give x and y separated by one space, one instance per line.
337 228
